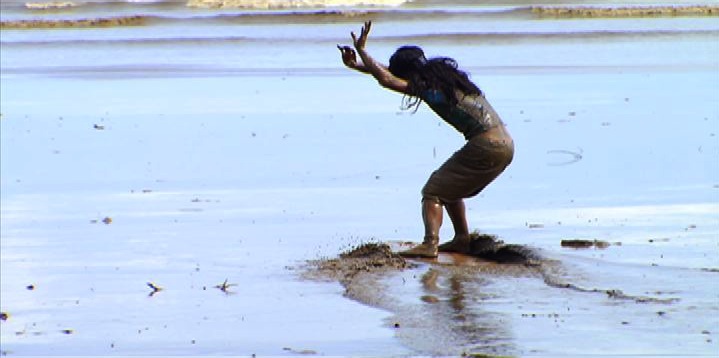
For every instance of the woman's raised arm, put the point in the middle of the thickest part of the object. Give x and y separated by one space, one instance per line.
380 72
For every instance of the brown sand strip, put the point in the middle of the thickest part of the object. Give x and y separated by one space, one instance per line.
635 11
136 20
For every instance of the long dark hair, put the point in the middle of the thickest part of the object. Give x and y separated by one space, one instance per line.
439 73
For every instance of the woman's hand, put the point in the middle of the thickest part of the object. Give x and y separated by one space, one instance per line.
362 40
349 57
379 71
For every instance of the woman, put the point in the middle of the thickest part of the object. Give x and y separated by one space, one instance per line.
450 93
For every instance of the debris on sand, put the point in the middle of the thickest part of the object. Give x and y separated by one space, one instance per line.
106 220
584 244
155 288
224 287
4 316
300 351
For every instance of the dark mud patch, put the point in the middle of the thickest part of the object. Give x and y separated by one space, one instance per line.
585 244
491 248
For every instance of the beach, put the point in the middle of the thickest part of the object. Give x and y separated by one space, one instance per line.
167 185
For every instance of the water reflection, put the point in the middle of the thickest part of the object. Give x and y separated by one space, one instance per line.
459 315
441 309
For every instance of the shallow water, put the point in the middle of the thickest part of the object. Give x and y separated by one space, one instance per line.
241 156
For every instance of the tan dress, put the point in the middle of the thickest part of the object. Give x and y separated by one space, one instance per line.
488 151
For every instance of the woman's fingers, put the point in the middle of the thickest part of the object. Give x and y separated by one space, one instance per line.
348 55
345 49
362 39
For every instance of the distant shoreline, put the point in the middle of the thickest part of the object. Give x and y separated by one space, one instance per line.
626 11
540 11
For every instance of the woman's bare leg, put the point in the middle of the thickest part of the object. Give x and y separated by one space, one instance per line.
432 212
432 217
457 213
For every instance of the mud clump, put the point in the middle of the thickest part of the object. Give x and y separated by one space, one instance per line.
368 257
489 247
370 250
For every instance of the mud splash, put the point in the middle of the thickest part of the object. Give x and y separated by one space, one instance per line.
364 258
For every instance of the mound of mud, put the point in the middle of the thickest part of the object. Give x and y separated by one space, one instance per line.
368 257
489 247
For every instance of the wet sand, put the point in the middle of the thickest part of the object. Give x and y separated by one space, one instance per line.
446 312
151 212
190 212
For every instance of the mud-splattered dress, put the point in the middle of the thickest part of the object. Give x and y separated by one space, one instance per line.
488 151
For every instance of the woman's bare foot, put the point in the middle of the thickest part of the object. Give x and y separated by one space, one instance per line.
458 244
